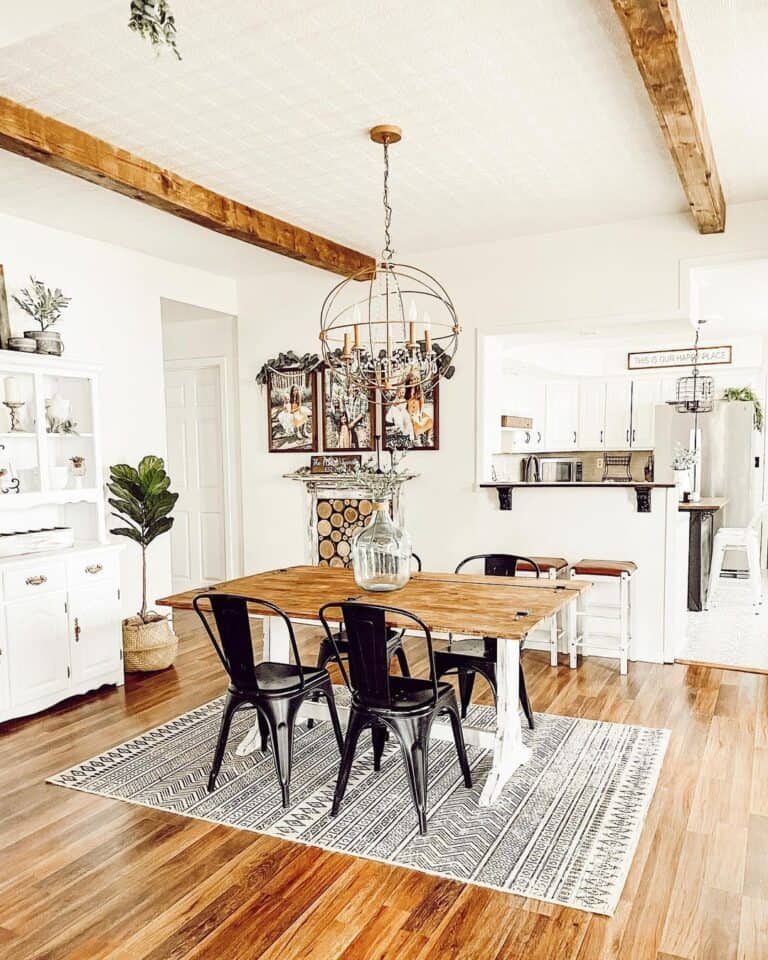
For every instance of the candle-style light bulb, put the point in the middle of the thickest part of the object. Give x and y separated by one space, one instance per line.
412 317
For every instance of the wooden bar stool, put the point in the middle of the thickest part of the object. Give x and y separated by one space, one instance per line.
606 571
552 568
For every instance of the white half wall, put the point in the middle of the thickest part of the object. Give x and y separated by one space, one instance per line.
114 320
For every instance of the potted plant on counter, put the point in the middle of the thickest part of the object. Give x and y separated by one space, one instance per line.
142 500
683 459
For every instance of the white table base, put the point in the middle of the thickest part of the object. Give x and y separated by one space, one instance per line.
506 741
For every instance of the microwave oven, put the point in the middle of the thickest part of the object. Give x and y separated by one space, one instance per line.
555 470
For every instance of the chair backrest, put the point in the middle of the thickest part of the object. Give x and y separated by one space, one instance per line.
367 650
500 564
234 643
417 560
759 516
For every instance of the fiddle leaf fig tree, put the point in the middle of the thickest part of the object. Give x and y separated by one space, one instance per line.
142 500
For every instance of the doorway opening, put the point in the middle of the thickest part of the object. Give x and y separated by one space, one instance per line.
202 421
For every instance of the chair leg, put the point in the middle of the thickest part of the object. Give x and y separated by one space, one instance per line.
355 727
264 731
379 737
327 690
452 709
525 703
753 562
402 662
230 705
413 734
466 685
324 656
280 716
718 552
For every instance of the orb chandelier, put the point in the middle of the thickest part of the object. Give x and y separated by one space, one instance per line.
695 393
391 326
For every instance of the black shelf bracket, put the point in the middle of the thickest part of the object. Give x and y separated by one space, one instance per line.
505 497
643 499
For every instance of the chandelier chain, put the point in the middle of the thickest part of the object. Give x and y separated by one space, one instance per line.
387 253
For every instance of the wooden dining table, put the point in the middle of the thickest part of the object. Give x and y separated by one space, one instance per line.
467 605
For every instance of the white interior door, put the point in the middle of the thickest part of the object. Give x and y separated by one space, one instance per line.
193 400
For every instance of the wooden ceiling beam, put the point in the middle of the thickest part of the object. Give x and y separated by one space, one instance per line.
30 134
655 34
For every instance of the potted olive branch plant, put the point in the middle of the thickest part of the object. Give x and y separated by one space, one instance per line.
142 500
45 306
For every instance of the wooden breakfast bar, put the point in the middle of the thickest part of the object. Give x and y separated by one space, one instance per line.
448 603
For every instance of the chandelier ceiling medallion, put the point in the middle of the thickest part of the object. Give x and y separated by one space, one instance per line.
391 327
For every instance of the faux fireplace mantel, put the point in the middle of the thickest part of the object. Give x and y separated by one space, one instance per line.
337 507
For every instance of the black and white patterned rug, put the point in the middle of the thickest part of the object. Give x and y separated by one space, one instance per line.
564 831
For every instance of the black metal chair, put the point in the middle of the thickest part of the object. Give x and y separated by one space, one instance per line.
328 652
405 706
275 690
468 657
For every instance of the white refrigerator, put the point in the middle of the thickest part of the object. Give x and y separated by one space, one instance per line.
731 458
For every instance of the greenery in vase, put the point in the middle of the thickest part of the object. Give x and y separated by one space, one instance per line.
749 395
290 360
683 458
380 484
142 500
42 304
153 21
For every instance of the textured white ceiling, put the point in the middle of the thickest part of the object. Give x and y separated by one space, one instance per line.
518 117
728 40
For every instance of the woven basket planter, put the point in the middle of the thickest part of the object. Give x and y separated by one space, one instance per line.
148 646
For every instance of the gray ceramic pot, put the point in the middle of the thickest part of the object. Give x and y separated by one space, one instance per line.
48 341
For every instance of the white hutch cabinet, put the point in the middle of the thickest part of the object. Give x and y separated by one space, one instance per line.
60 619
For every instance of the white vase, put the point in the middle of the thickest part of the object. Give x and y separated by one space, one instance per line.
682 482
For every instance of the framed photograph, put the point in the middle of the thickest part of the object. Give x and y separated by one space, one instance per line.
292 411
330 463
411 417
5 324
349 415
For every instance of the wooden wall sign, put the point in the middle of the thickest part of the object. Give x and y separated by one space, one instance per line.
325 464
678 357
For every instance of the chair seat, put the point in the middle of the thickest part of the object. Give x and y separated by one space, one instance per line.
545 564
604 568
279 678
736 535
411 695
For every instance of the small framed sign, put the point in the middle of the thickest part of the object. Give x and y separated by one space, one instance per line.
334 463
678 357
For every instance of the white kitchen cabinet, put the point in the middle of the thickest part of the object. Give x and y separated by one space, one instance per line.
526 397
591 427
618 414
95 643
38 650
646 394
561 420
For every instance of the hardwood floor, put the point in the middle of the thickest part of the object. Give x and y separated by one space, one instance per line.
86 877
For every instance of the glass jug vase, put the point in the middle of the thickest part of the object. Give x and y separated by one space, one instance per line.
381 552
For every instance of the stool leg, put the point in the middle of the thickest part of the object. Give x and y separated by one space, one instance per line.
718 552
624 622
753 560
553 641
571 621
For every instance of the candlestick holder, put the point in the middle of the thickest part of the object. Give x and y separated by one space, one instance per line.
14 408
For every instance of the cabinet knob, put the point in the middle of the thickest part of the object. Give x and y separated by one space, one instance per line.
94 568
36 581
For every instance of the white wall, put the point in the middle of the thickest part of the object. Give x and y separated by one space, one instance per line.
114 320
615 272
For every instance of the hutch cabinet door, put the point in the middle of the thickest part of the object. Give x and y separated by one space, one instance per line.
94 630
38 651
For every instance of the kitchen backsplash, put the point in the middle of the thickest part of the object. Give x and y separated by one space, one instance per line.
510 466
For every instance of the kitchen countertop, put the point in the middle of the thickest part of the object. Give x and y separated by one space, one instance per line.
712 504
578 483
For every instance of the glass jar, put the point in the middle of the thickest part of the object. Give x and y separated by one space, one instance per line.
381 552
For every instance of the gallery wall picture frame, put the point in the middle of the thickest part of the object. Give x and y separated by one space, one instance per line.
411 417
349 415
292 410
5 323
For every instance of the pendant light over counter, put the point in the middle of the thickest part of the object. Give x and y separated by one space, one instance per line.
391 327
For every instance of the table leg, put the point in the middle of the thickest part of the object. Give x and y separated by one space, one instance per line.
509 751
572 630
277 648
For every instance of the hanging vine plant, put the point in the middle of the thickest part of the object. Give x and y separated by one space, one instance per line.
153 21
288 360
747 394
